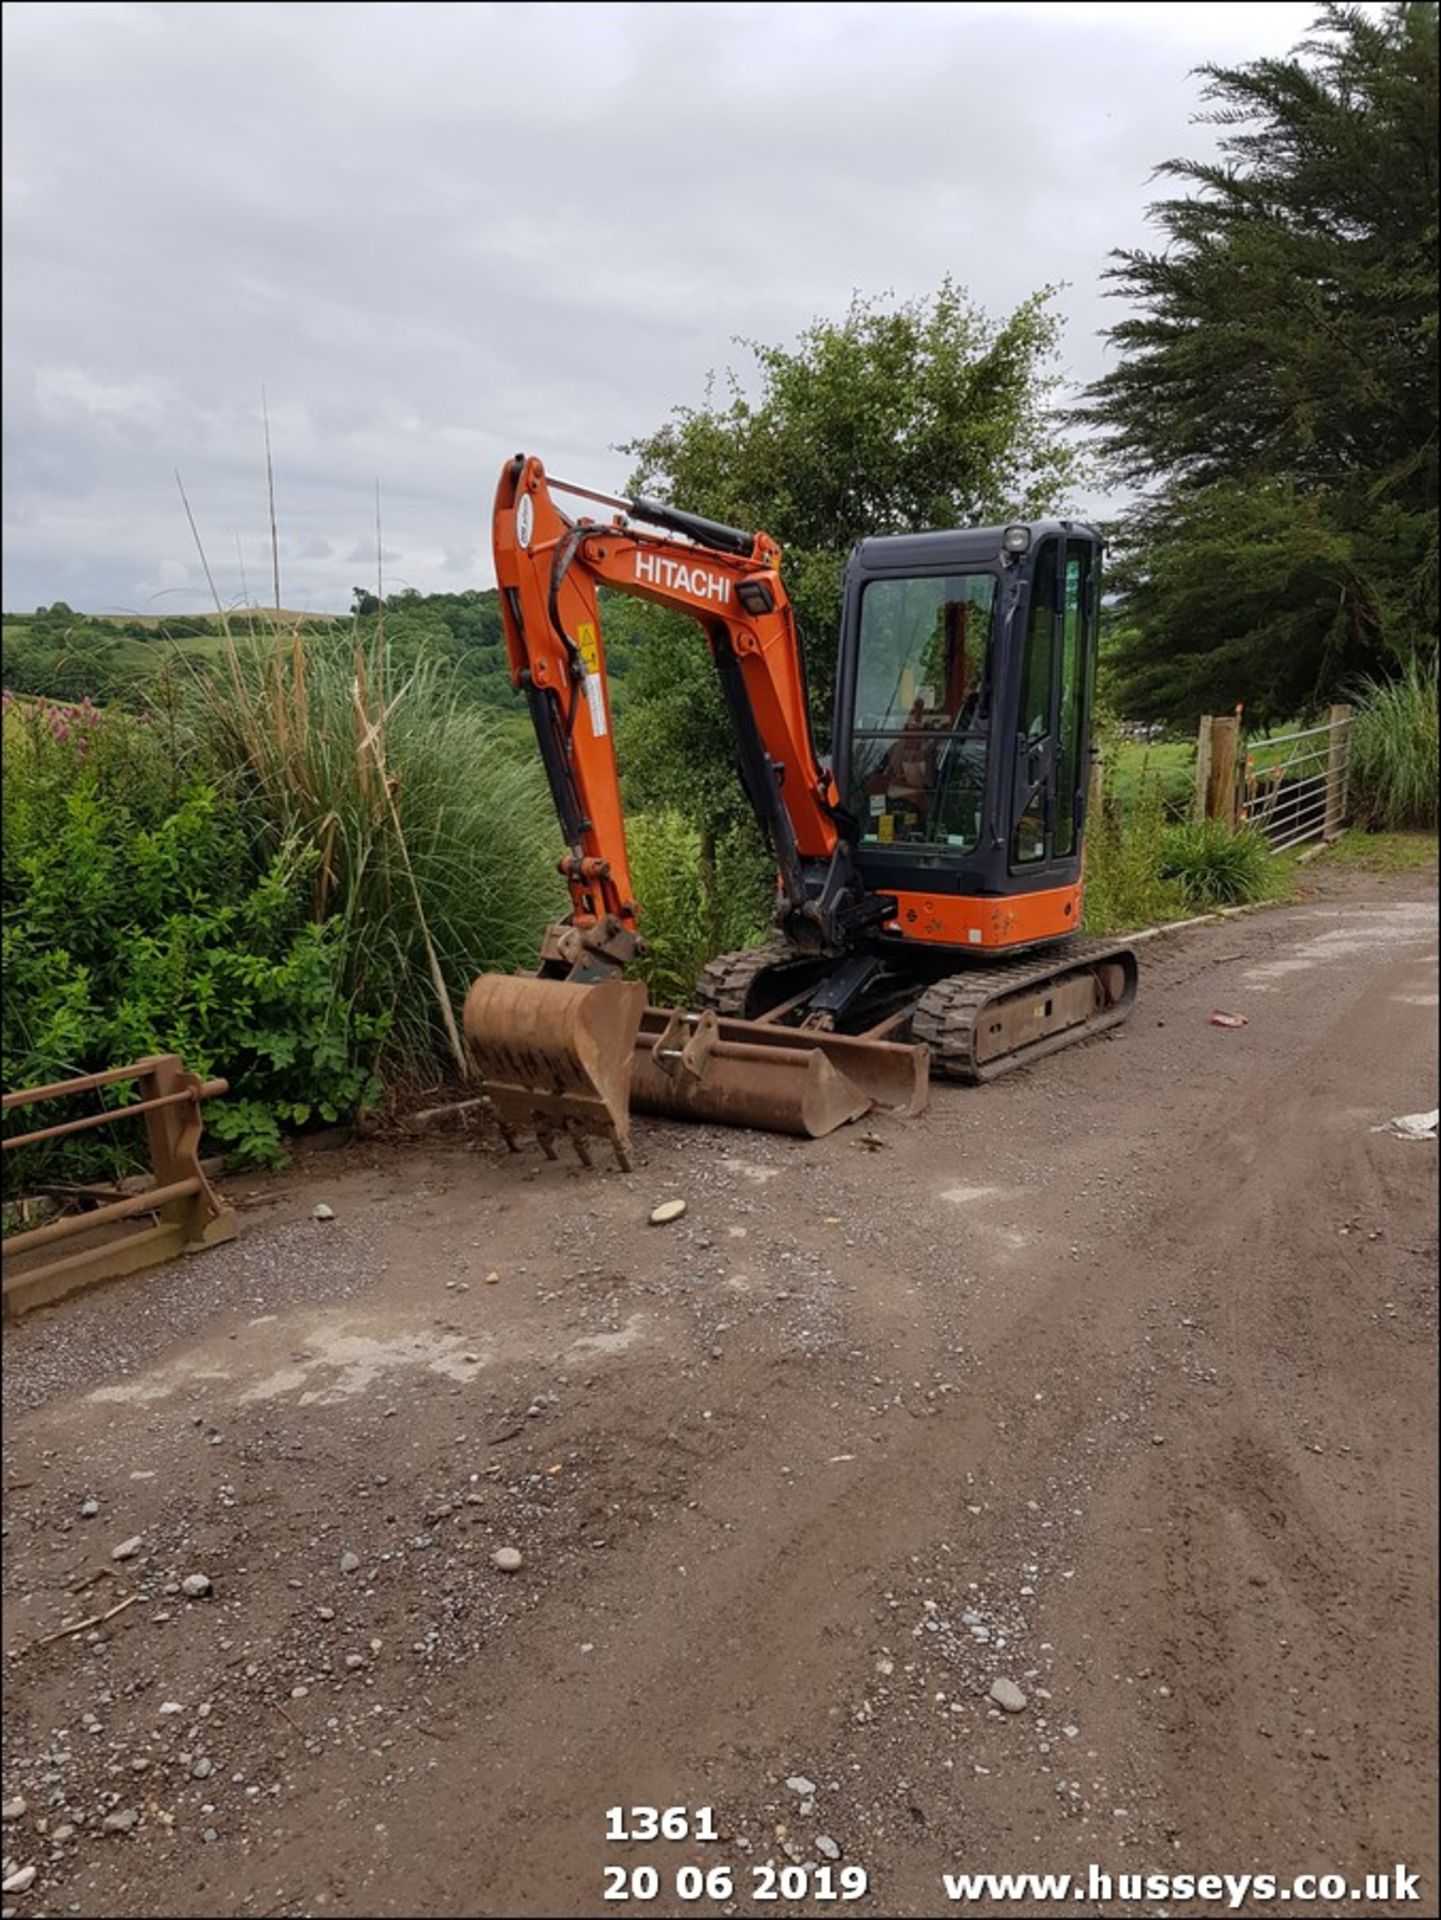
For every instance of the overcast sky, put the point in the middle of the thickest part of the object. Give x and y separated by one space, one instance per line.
440 234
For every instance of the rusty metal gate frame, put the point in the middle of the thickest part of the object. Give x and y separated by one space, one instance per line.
190 1214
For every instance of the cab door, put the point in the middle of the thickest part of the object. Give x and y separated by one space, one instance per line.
1054 696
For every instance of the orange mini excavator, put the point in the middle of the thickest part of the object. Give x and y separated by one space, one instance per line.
928 894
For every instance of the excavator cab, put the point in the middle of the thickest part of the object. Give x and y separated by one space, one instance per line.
963 716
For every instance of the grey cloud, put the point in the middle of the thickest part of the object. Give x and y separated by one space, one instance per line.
437 234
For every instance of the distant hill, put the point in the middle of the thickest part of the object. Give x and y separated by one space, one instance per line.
113 657
237 616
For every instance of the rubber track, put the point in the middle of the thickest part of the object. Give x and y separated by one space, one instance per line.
725 982
948 1012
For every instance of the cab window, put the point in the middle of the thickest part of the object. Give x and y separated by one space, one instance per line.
918 745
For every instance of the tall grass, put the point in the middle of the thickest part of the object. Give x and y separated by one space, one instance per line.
1394 750
1214 867
1124 846
436 842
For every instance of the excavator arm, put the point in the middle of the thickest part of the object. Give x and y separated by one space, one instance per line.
550 569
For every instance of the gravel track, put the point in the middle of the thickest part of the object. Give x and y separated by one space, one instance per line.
1054 1483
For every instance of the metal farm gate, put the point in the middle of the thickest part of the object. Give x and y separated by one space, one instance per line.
1292 788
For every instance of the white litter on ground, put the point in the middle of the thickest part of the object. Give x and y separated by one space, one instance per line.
1412 1126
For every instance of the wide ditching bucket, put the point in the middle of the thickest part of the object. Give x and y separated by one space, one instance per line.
744 1073
568 1062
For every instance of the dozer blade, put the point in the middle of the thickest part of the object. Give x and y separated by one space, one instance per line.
556 1058
741 1073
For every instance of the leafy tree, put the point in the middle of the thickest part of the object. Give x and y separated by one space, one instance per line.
461 631
674 739
173 627
898 418
893 420
1277 387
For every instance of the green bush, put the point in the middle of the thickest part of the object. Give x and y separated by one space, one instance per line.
665 872
696 900
289 875
1394 749
137 921
432 838
1213 867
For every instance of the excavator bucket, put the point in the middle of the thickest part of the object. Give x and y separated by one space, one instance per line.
743 1073
556 1058
568 1062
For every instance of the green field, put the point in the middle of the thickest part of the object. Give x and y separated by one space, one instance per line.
1169 764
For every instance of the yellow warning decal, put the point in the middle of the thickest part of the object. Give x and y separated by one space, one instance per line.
585 639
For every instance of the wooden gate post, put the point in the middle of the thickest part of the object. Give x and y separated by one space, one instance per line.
1203 766
1338 757
1221 781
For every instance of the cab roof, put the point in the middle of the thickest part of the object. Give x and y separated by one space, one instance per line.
959 548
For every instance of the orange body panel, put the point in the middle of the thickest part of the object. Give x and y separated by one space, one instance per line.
968 920
532 540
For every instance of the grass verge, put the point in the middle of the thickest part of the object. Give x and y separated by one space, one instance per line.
1365 852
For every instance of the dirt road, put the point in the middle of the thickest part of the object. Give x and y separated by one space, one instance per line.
1114 1380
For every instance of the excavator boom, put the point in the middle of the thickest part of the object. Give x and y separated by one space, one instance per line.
550 569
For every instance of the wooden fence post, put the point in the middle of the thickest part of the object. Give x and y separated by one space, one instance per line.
1338 757
1203 765
1221 781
